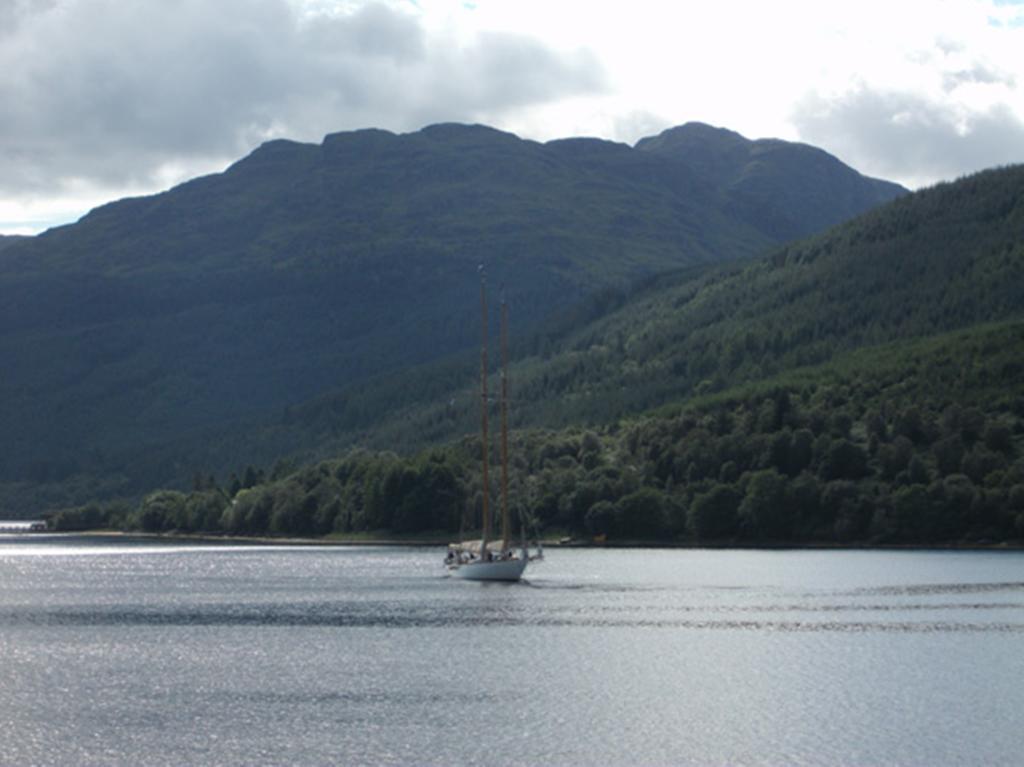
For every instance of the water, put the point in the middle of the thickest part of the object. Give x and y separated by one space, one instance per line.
147 653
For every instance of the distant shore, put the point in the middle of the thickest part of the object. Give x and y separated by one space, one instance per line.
563 542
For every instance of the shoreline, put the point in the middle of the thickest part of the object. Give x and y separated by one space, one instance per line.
551 543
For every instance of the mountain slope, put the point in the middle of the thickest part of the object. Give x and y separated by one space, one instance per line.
918 442
782 189
860 387
305 267
938 260
6 240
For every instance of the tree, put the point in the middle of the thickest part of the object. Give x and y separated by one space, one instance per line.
88 517
288 513
801 451
999 438
980 461
763 513
779 448
729 473
948 452
895 457
590 450
251 477
162 510
803 498
960 503
600 519
249 512
713 515
844 460
972 424
203 510
850 512
912 509
642 515
911 424
917 470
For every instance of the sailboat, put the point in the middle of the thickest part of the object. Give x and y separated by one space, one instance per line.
486 559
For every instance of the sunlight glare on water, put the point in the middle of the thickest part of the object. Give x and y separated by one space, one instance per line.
140 652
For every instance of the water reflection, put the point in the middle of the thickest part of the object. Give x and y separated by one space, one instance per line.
665 613
933 589
160 654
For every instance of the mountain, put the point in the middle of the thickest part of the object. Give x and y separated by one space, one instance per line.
918 442
862 386
6 240
785 190
942 259
156 321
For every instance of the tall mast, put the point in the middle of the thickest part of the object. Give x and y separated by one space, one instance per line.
485 534
505 532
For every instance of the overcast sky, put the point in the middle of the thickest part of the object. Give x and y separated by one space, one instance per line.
100 99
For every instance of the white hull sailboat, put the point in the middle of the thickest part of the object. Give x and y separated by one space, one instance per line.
484 559
495 570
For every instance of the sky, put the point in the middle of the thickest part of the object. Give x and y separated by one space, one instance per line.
103 99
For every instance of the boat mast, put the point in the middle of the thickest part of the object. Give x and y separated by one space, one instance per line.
505 532
485 534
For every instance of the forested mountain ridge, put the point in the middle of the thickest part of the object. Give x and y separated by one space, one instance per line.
919 442
305 267
6 240
766 182
364 193
861 387
944 258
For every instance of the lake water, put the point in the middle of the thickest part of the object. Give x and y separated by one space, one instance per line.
156 653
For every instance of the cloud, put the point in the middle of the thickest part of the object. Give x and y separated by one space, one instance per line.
900 134
13 12
108 94
104 98
976 75
630 127
946 103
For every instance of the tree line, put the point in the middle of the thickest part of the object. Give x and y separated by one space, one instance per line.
912 444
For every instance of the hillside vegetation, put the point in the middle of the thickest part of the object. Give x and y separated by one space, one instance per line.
129 338
863 386
8 240
944 258
917 442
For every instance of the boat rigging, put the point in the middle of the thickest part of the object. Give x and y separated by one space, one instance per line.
480 560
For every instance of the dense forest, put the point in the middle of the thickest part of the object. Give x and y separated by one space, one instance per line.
861 386
910 443
941 259
133 338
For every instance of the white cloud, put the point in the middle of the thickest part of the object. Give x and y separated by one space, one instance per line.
108 96
756 67
101 96
906 135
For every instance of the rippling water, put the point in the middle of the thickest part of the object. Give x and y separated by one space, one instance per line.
149 653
